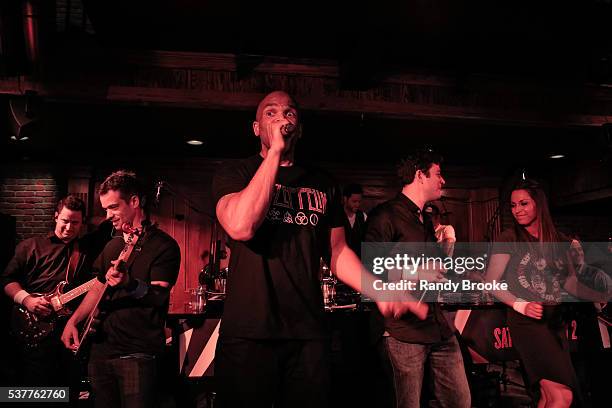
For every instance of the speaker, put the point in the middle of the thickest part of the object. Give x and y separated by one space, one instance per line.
24 121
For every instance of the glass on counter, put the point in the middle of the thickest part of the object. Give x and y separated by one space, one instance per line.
196 299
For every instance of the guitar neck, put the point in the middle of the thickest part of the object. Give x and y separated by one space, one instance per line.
121 259
90 323
76 292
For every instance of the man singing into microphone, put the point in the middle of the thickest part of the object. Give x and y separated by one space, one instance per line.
273 348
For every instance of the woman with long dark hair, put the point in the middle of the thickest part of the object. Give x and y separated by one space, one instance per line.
532 257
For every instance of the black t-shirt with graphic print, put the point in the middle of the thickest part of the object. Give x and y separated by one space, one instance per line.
530 276
273 288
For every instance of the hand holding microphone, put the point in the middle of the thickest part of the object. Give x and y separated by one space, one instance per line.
287 129
280 134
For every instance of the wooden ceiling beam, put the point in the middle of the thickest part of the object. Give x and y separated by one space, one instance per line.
212 81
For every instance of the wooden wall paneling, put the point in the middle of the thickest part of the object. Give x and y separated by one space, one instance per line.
191 230
164 215
79 186
478 218
484 203
197 246
179 230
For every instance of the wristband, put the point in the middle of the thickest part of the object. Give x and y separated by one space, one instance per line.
141 289
520 306
20 296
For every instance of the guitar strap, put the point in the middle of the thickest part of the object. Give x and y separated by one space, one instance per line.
71 268
147 232
137 248
132 257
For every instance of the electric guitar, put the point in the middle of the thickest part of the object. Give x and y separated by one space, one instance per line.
30 328
96 315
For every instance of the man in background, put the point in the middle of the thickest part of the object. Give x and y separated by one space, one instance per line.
354 224
445 234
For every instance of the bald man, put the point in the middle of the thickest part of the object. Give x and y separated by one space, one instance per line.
273 347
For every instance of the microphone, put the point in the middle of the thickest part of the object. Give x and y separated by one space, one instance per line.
287 129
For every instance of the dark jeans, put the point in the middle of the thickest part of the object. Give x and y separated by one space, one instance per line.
408 362
127 381
50 364
279 373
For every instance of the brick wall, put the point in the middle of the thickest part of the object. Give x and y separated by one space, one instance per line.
30 197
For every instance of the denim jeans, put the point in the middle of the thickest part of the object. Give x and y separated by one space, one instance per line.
127 381
408 361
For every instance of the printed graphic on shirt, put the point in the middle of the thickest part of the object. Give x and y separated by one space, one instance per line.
298 205
541 280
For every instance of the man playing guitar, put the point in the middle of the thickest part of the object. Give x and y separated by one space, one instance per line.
135 273
40 265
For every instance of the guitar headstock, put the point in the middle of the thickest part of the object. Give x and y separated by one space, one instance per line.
128 228
136 234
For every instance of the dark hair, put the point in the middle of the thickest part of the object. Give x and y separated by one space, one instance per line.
421 160
126 183
547 231
72 203
351 189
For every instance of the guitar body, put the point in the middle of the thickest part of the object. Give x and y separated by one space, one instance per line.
55 299
30 329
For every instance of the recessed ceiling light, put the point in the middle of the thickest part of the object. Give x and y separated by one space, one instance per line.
195 142
557 156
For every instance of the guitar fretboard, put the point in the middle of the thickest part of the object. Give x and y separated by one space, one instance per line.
76 292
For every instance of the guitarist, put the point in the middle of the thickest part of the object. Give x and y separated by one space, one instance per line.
131 336
38 266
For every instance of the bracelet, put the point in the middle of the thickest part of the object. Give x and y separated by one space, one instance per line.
140 291
520 306
20 296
